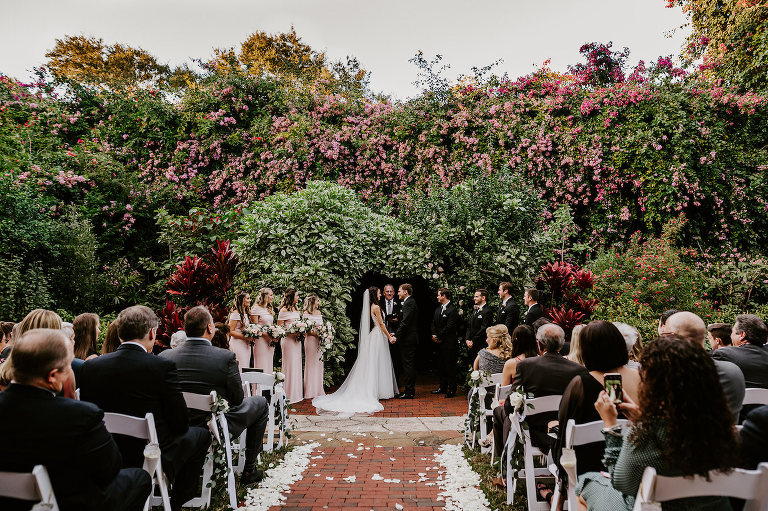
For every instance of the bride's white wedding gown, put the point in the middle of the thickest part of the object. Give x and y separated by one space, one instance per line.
371 378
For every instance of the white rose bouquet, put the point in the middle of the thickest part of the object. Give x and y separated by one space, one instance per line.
275 331
298 327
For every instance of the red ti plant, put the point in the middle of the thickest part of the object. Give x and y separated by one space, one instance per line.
582 304
190 280
171 320
584 279
565 317
223 263
559 277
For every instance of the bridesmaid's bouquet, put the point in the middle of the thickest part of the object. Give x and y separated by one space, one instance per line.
298 327
254 331
324 332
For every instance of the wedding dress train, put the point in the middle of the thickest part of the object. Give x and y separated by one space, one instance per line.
371 378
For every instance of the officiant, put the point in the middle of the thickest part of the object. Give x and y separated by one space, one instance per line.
392 309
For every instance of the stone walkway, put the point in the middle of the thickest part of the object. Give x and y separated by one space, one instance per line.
381 462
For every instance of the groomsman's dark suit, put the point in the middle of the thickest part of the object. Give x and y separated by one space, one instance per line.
133 382
408 340
481 319
445 326
534 312
69 438
508 315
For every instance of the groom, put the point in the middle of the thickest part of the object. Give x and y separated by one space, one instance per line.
407 337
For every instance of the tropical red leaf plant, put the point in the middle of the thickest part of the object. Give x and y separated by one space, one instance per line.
558 276
565 317
582 304
190 280
171 320
584 279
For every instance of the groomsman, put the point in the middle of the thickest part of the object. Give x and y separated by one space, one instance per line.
482 318
445 326
509 313
534 312
392 310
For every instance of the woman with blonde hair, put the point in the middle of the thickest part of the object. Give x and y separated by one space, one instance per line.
264 347
575 354
499 350
313 359
86 327
291 346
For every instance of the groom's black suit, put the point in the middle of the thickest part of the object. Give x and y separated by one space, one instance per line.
408 339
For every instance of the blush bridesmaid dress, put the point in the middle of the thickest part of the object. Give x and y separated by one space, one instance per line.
294 383
313 363
263 349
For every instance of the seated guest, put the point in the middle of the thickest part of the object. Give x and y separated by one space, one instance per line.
719 335
754 438
9 338
221 337
524 345
131 381
178 338
604 350
203 368
631 338
546 375
690 327
682 426
499 350
663 319
86 327
67 436
749 352
111 339
574 355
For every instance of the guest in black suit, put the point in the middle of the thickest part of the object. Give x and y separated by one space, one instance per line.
509 313
391 309
482 318
754 438
531 300
749 351
203 368
407 338
445 333
133 382
65 435
546 375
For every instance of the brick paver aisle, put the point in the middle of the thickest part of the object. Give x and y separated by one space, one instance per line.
383 478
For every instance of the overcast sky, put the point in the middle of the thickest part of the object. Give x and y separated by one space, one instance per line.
383 35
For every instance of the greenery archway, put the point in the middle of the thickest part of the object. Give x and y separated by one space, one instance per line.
322 240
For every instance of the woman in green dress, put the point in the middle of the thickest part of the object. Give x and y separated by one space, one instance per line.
681 426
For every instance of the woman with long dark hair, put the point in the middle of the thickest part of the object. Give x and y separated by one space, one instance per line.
291 347
239 318
86 327
682 426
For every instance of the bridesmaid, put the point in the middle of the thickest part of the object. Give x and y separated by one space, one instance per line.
263 348
294 384
240 318
313 362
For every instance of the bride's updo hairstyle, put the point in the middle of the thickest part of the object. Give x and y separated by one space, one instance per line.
373 291
263 299
498 337
288 298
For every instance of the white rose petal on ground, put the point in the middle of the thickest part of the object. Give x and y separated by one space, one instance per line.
459 487
376 477
350 479
278 480
399 507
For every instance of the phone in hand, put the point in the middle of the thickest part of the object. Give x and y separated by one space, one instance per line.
613 387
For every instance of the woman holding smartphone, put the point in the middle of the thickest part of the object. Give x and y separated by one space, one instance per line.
682 426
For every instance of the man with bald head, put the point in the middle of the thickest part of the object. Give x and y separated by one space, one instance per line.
691 327
67 436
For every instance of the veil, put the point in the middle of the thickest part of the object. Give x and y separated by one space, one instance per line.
365 321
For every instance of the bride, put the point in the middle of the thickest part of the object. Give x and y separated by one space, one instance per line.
372 376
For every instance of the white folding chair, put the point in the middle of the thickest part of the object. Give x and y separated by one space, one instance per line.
502 392
204 402
755 397
577 435
481 391
33 486
530 473
749 485
144 429
277 404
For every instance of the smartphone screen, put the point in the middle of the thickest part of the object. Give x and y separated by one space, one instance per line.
613 387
